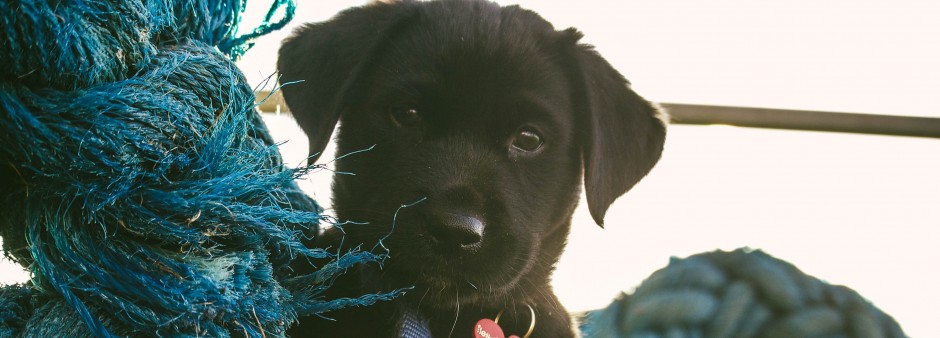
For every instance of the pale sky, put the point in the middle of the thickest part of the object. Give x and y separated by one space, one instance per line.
838 55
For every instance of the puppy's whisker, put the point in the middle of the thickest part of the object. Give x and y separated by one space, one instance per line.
421 301
457 314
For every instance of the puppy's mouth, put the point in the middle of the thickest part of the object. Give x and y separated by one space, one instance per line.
442 280
478 265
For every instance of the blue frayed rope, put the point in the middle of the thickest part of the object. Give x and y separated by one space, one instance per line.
137 182
76 44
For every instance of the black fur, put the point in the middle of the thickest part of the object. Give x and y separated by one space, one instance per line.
496 215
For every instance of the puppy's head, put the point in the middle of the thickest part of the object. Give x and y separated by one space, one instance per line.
486 115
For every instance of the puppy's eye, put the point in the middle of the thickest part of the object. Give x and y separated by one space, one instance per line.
527 140
405 115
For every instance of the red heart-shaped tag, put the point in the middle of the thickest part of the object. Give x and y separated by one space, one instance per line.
487 328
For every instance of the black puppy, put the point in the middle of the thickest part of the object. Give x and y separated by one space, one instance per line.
486 115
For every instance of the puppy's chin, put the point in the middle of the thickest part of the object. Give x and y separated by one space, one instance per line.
449 291
443 278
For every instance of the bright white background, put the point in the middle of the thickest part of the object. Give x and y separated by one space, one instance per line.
862 211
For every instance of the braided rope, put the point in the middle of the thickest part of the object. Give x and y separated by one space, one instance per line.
738 294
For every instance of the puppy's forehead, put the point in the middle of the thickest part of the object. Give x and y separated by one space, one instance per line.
476 52
482 26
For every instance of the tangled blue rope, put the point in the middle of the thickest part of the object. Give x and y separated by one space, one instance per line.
738 294
137 182
75 44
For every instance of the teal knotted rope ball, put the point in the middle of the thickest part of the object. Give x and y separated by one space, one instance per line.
738 294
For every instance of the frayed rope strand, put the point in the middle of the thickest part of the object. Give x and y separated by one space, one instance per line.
394 222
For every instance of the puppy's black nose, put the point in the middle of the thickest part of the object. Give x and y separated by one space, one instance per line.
458 230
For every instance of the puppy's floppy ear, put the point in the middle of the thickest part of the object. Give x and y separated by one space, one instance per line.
327 58
622 134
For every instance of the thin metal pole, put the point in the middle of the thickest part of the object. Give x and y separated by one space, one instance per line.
804 120
762 118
